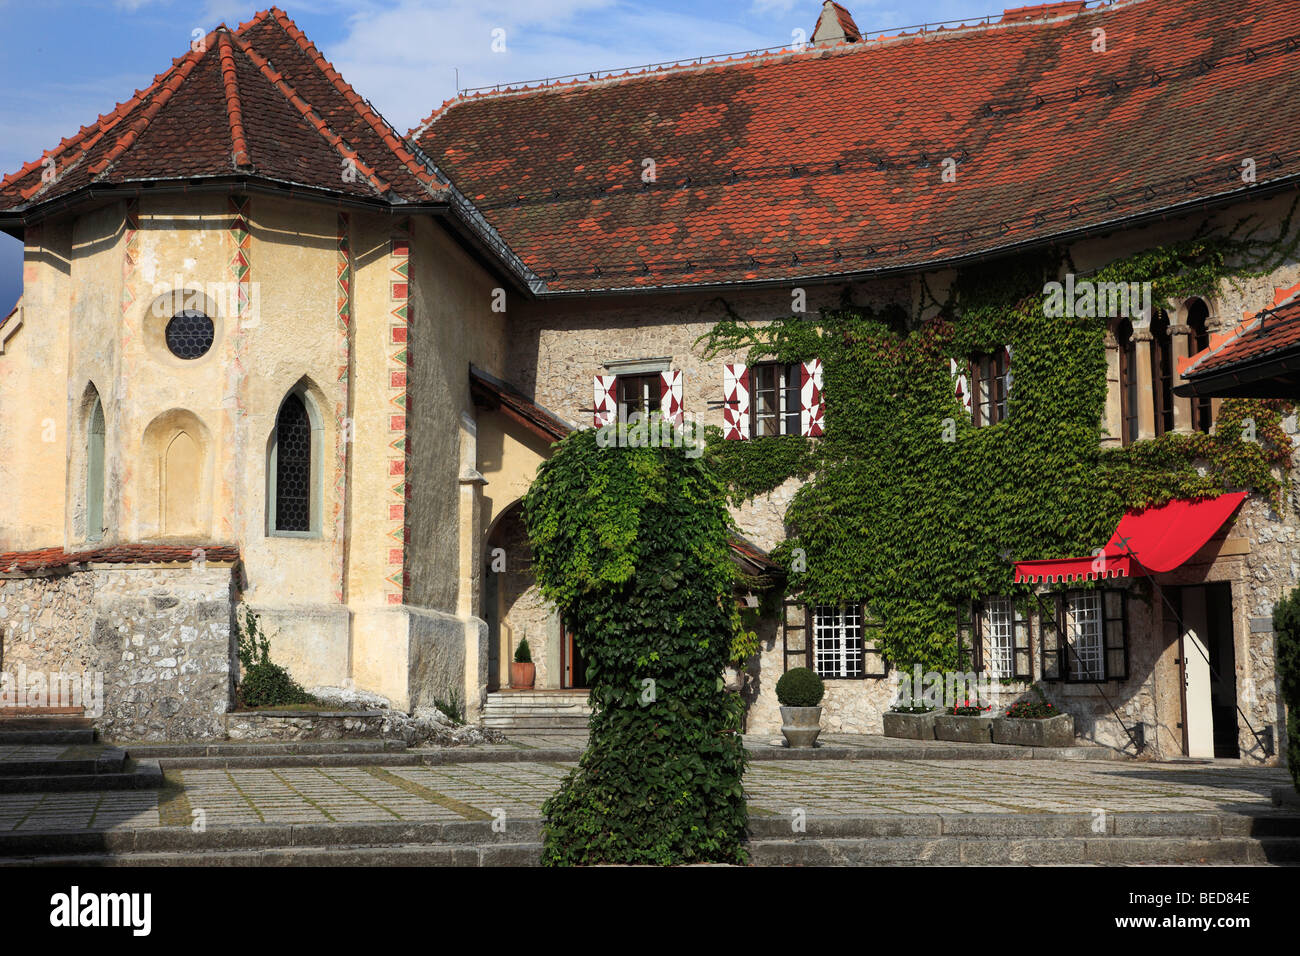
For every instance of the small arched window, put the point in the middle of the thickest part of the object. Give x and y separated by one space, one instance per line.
1162 373
292 469
95 473
1198 317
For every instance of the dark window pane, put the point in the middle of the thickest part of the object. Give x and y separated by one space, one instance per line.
293 467
189 334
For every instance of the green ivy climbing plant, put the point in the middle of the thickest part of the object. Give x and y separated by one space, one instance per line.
632 544
913 509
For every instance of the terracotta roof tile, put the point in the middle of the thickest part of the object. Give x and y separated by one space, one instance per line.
1269 332
223 110
830 161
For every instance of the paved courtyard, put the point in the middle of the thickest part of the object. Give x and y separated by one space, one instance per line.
475 791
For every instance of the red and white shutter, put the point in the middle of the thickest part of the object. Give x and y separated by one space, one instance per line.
670 395
735 401
1007 349
960 384
606 405
812 405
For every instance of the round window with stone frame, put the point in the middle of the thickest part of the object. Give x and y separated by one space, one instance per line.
189 334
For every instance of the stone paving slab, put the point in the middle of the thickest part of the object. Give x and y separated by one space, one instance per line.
459 792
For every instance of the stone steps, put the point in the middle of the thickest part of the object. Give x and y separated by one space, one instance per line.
130 775
227 748
52 729
536 710
934 839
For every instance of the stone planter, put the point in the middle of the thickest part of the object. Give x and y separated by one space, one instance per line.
1055 731
522 676
910 726
801 725
965 730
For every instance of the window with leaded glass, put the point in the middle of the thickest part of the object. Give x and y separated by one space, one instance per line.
292 467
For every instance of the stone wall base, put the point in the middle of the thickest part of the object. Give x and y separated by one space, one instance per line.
145 650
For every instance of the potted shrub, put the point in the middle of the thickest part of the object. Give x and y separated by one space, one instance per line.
523 672
967 723
800 693
910 721
1034 723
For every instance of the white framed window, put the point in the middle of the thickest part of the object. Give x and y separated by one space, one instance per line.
1085 637
837 640
999 633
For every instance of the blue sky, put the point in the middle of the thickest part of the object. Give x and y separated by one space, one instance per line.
62 64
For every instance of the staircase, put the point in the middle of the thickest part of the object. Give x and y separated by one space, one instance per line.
536 710
59 753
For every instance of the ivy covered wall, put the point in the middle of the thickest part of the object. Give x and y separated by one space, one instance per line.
912 508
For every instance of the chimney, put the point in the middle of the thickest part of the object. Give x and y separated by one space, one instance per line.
835 25
1044 11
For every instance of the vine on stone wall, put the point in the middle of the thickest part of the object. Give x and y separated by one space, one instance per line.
915 510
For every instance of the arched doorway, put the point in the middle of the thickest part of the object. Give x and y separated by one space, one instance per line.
515 610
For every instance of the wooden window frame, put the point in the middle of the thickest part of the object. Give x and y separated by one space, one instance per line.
785 392
1054 648
650 399
1198 321
1128 383
971 638
1162 374
798 644
991 372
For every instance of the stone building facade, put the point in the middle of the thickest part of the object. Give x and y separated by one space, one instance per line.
342 353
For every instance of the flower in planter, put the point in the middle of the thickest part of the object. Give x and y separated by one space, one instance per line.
1032 710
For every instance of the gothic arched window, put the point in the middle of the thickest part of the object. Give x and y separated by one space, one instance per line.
291 469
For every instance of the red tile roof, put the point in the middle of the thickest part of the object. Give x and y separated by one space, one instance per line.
829 161
1269 332
260 102
492 392
52 558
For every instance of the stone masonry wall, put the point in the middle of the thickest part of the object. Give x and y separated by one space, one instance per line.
159 639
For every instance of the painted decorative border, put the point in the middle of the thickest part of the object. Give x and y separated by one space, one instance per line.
240 271
399 260
130 265
343 428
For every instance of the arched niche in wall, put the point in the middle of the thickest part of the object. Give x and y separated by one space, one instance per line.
177 479
87 466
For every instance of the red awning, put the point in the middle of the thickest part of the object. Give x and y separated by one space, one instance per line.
1150 541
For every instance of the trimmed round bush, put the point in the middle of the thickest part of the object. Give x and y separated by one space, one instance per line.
800 687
